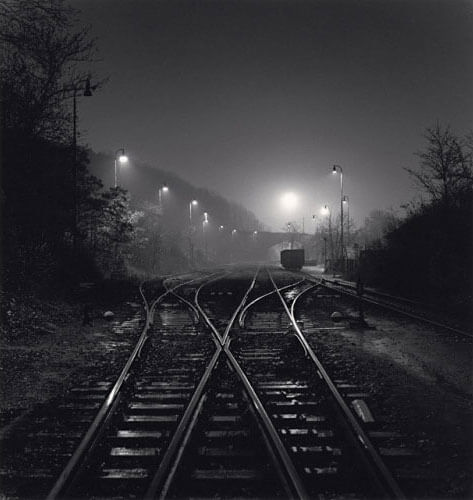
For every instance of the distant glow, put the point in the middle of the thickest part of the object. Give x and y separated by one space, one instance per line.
325 210
234 231
255 232
206 217
194 202
165 188
221 228
289 201
123 159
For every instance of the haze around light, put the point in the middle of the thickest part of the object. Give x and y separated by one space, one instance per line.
248 98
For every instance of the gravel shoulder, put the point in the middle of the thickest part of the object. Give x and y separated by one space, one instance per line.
419 381
45 349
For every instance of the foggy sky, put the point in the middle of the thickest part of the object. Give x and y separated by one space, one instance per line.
252 99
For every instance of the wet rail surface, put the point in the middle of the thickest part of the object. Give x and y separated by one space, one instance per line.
403 306
227 406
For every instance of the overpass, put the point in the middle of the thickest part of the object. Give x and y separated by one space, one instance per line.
250 246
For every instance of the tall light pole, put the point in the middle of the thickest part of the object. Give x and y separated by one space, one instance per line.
342 252
120 159
192 203
161 191
346 202
233 235
326 211
87 93
204 233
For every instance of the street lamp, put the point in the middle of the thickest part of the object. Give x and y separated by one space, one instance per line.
233 233
193 203
161 191
120 159
204 233
334 171
87 93
325 210
346 202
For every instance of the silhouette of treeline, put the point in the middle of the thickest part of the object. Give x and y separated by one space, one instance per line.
162 222
59 222
429 253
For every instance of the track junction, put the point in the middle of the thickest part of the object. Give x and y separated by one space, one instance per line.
223 396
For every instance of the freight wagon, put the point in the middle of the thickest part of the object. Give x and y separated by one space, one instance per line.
292 259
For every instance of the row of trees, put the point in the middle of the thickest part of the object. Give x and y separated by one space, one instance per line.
59 221
49 199
429 253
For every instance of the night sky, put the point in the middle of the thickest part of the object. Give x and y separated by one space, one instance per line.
253 99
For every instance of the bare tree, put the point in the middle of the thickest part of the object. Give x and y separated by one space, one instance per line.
445 165
43 55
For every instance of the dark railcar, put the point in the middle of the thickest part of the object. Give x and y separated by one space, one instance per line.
293 259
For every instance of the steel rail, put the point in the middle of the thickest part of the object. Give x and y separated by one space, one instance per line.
372 291
242 316
182 447
288 466
237 310
384 473
187 302
390 307
292 482
303 292
93 433
203 313
271 431
167 468
172 456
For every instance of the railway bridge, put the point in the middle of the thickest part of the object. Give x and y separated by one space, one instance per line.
259 245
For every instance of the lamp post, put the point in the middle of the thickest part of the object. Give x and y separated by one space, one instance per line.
326 211
204 233
342 252
87 93
120 159
290 225
161 191
346 200
233 235
192 203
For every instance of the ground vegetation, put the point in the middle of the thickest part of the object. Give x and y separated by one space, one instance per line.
429 253
61 225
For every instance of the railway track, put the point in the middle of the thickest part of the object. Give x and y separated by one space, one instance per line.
221 397
407 307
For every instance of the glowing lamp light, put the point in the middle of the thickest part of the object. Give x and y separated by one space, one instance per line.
324 210
194 202
289 200
165 188
123 159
